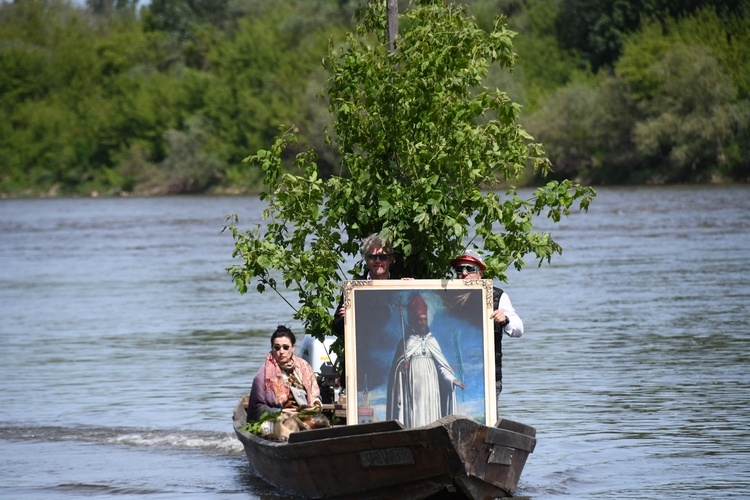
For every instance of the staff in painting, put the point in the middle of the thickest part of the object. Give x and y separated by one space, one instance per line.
401 306
457 343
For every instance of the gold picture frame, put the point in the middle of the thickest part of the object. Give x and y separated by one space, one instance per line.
380 381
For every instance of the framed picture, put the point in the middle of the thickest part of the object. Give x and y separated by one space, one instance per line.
418 350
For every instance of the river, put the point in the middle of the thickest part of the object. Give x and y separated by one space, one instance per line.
124 347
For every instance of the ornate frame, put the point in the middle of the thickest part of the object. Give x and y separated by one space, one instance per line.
459 316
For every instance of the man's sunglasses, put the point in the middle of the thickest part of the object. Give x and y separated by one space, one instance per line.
382 257
469 269
280 347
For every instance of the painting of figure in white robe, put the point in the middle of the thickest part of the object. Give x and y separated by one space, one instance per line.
419 350
421 384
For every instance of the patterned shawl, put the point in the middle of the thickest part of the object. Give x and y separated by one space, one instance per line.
274 380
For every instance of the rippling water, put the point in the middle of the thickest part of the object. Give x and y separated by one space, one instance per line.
124 348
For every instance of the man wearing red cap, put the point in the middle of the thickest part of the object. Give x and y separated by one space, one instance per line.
421 384
470 266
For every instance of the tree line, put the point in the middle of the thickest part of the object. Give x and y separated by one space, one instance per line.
116 98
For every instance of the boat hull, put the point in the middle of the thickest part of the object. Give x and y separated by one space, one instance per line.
454 456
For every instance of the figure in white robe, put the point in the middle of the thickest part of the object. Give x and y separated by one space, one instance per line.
421 383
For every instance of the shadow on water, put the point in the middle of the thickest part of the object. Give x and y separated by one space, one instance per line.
259 487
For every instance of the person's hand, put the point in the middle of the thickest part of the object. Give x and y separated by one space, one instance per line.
459 384
404 366
498 316
406 279
315 406
341 312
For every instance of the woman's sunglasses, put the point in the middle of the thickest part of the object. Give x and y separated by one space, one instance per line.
469 270
280 347
382 257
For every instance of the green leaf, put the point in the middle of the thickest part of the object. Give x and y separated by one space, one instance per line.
427 155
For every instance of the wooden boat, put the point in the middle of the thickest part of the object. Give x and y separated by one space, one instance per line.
453 457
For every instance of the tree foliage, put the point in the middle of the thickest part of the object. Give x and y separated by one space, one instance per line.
102 100
544 65
598 28
428 159
675 108
106 96
688 88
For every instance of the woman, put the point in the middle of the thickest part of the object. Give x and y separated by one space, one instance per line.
284 382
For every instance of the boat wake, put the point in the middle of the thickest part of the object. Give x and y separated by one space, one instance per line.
190 439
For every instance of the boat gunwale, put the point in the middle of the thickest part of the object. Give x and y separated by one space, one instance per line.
465 448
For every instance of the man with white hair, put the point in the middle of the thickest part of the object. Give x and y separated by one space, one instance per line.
469 265
378 256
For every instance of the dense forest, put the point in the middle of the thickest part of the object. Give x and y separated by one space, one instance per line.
114 98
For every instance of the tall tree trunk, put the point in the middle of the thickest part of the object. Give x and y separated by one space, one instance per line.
392 22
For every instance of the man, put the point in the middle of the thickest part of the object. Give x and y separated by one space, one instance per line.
378 257
470 266
421 384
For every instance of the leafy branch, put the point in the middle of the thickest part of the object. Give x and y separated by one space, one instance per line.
429 159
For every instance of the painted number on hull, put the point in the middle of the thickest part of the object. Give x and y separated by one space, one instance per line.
386 456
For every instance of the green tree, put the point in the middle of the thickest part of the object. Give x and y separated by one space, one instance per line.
44 47
191 27
690 85
689 122
260 73
425 152
78 93
598 28
544 65
675 109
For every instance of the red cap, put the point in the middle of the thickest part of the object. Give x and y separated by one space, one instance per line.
471 256
417 306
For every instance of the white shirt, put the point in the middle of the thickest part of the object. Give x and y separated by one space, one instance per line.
515 327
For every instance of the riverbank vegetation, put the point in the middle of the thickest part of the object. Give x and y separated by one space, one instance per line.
111 98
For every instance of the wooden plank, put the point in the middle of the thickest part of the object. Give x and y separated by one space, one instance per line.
344 431
510 438
318 465
501 455
516 427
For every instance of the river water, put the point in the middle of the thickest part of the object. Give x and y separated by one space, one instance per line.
124 347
